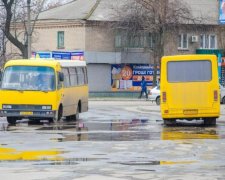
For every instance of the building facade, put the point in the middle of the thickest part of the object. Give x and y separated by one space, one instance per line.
82 25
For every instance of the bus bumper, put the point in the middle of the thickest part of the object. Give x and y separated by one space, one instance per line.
190 114
28 114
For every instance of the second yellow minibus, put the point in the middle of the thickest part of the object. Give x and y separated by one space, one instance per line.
189 88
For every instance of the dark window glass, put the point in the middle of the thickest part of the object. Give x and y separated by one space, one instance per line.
80 75
66 77
73 76
189 71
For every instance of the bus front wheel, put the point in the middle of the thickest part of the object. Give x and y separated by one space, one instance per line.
210 121
75 116
58 115
11 120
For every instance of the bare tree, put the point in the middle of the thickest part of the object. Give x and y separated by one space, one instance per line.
154 17
15 17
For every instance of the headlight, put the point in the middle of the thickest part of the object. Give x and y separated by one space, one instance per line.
7 106
46 107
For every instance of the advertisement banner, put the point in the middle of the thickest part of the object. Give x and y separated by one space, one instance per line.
42 54
79 55
222 11
128 76
66 55
61 55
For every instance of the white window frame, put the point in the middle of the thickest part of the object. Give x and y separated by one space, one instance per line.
60 39
208 45
118 41
181 42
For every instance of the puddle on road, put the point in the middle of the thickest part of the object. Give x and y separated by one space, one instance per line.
71 161
41 157
119 130
10 154
179 133
153 163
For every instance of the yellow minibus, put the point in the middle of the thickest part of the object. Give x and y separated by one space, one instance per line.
189 88
43 89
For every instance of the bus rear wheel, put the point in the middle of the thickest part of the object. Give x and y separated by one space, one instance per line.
11 120
169 122
210 121
157 101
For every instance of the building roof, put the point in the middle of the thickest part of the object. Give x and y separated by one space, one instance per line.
77 9
105 10
208 9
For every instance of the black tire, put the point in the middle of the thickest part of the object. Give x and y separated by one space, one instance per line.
11 120
157 101
209 121
169 122
77 113
223 100
59 116
76 116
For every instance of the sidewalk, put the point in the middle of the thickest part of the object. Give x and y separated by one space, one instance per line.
116 99
129 103
141 104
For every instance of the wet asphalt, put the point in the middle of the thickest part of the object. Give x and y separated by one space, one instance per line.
113 140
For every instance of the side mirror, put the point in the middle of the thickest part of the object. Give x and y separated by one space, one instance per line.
61 76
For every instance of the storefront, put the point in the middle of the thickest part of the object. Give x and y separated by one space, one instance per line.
127 77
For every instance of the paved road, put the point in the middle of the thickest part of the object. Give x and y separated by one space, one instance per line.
114 140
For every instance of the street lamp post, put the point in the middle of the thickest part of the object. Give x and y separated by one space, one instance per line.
28 30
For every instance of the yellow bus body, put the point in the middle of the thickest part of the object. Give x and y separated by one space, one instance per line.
189 100
70 100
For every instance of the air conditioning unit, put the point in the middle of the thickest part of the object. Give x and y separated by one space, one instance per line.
194 38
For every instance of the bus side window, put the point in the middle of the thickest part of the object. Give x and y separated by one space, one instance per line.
0 75
80 76
66 77
59 83
85 75
73 76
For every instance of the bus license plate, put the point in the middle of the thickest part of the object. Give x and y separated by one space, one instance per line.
26 113
190 111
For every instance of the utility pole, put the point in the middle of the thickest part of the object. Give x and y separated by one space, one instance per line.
28 30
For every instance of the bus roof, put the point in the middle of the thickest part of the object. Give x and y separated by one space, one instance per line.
189 57
45 62
31 62
71 63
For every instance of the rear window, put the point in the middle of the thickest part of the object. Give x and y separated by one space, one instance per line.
189 71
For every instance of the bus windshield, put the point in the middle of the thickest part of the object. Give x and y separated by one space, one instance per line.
29 78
